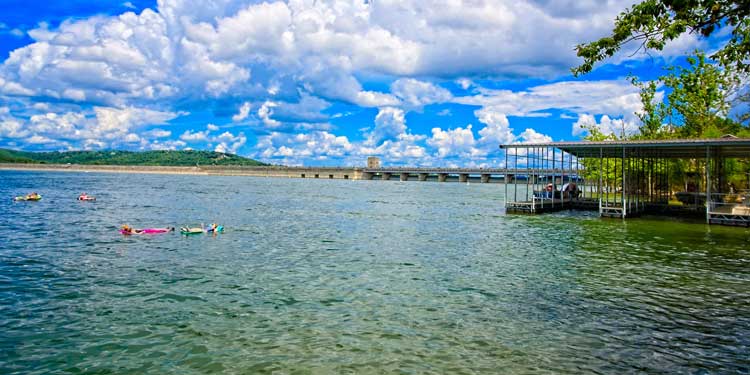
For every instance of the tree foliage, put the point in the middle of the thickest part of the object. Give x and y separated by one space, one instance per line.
696 105
700 96
653 23
743 101
593 167
654 112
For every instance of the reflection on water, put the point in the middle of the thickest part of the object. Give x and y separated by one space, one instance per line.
332 276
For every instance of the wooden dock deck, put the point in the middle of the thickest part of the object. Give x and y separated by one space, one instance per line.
539 206
735 215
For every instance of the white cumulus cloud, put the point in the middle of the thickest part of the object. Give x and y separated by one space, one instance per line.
453 142
606 125
243 112
415 93
390 124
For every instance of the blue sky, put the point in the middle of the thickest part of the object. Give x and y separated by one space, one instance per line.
430 83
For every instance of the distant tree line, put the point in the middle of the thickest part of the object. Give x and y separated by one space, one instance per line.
113 157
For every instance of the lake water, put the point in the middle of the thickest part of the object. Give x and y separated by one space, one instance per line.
338 276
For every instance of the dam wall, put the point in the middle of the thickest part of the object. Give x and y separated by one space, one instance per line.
280 172
464 175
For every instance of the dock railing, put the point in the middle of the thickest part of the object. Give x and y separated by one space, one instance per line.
542 196
612 208
729 209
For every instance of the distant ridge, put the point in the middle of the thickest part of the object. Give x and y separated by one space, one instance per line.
114 157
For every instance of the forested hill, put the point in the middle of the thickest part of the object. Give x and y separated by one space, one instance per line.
111 157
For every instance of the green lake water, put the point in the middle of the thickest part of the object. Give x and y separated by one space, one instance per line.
337 276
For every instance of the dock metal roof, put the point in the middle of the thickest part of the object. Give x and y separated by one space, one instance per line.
669 148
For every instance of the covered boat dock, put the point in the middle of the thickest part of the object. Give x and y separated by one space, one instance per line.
676 177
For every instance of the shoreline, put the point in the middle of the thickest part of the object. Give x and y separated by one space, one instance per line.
284 172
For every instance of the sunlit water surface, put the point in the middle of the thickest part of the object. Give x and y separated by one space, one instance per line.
336 276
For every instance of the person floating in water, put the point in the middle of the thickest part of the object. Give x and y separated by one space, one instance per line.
127 229
33 196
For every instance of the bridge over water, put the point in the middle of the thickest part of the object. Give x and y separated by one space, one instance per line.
484 175
345 173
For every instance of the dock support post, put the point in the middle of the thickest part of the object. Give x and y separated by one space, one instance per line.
562 178
505 179
554 179
708 185
515 185
600 188
623 182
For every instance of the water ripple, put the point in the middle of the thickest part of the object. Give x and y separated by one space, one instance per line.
322 276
